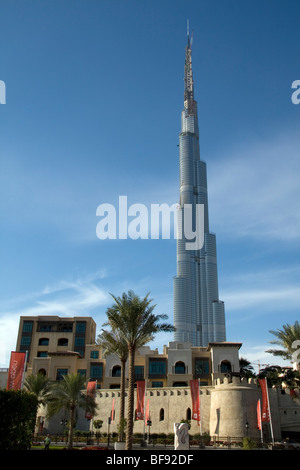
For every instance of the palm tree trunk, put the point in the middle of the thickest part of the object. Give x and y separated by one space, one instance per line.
129 432
72 413
122 402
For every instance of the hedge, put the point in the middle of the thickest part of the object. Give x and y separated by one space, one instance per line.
18 410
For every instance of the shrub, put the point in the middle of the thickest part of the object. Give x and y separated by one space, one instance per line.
206 438
18 410
248 444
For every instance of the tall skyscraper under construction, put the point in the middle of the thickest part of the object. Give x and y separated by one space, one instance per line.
199 316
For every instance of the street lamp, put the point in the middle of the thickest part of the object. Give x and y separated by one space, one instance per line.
108 423
149 423
247 427
63 423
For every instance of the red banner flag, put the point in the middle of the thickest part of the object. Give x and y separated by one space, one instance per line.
140 399
90 390
147 411
258 412
112 411
195 399
16 370
265 402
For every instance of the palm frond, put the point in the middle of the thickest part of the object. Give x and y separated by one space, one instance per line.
285 338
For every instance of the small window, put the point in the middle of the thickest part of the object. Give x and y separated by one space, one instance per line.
116 371
161 414
80 327
43 341
94 355
157 384
61 373
201 368
62 342
225 367
180 368
138 372
157 368
27 326
96 371
79 341
66 327
45 327
25 340
180 384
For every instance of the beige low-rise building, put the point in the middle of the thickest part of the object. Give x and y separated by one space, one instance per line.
57 346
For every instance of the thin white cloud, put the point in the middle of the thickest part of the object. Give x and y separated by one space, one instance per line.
80 281
271 300
8 336
257 356
66 298
254 189
268 290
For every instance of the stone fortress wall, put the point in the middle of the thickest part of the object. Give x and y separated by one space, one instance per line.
226 408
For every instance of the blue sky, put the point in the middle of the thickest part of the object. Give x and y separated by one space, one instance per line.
94 92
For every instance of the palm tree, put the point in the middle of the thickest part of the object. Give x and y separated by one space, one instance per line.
134 320
112 343
246 369
70 394
285 339
40 386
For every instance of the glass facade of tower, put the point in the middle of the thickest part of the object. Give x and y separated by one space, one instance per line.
199 316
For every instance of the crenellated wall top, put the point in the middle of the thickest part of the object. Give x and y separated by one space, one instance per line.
236 381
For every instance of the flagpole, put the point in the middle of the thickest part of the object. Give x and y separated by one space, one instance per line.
270 417
200 411
261 430
112 411
259 420
144 435
93 415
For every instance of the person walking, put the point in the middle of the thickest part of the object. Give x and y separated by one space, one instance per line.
47 442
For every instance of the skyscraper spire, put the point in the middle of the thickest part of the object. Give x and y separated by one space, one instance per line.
188 75
199 316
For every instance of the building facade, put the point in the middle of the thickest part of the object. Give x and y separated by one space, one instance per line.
57 346
199 315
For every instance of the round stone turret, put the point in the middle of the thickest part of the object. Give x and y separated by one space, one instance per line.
233 408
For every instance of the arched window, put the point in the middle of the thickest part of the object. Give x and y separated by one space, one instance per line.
116 371
225 367
180 367
161 414
42 372
188 414
62 342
